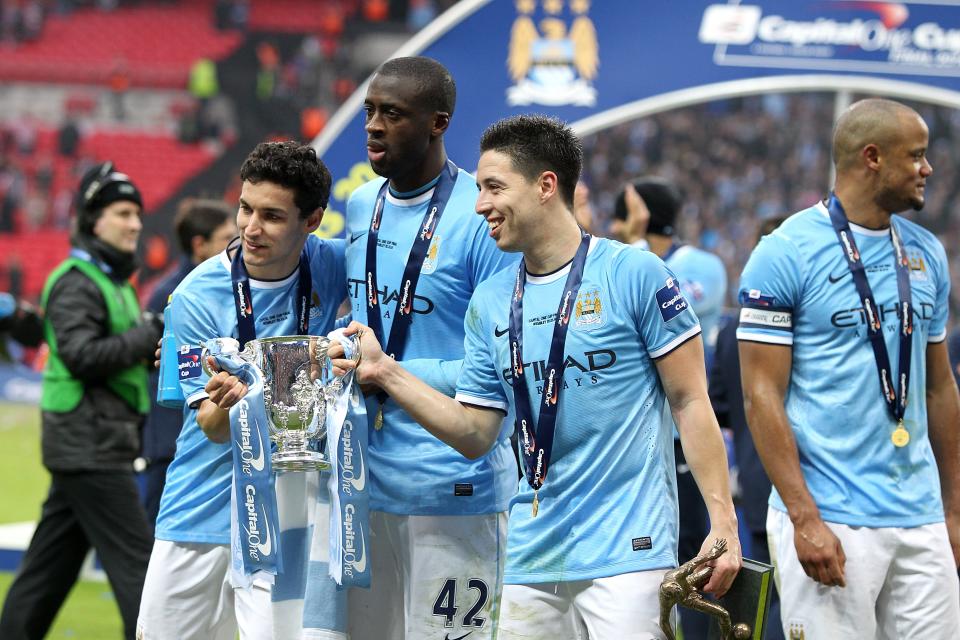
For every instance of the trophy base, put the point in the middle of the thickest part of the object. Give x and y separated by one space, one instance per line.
284 461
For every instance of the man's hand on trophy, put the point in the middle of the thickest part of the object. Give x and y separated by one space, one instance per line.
727 560
223 389
366 363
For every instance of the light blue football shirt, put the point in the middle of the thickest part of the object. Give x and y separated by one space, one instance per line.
703 280
797 290
195 506
609 503
411 472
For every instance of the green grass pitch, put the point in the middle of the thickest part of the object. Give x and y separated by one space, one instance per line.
90 612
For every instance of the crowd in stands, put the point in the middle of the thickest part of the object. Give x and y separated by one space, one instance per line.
303 70
741 161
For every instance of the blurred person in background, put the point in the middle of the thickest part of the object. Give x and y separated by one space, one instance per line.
645 214
203 229
726 394
93 401
21 321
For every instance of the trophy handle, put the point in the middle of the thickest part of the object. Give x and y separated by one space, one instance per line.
226 347
318 355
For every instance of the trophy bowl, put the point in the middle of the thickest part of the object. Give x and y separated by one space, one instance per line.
294 395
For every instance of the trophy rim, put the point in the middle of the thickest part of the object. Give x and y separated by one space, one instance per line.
294 338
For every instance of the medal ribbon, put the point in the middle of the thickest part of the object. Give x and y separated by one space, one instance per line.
403 315
411 272
243 298
537 441
896 401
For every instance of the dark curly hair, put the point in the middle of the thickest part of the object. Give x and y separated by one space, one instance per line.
537 143
292 166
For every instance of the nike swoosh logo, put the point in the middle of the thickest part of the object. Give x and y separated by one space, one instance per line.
835 279
356 236
360 564
497 332
447 636
266 547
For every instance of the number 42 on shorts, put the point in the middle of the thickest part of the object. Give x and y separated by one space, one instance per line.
445 605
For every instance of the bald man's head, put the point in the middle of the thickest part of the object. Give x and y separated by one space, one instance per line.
873 121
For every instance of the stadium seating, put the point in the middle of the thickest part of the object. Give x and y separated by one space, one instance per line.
155 44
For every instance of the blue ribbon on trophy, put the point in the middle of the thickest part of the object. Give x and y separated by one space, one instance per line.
347 484
294 401
254 526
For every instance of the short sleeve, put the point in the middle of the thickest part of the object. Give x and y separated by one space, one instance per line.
770 289
938 324
334 276
707 290
192 326
338 250
479 382
663 315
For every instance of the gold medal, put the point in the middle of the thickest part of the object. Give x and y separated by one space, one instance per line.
536 503
378 421
900 436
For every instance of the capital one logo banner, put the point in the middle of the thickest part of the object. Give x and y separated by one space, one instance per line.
902 38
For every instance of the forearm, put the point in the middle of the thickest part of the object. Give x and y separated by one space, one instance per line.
704 451
943 418
214 421
777 448
440 374
465 429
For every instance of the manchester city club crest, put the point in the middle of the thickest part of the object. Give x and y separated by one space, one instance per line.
430 262
588 312
553 61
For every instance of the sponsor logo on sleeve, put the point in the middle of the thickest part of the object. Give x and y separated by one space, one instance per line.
767 317
188 362
670 300
756 298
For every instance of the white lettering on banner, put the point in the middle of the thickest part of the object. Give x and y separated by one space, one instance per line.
350 479
882 36
253 529
428 225
562 319
406 297
526 435
248 459
548 397
355 558
242 299
778 319
371 293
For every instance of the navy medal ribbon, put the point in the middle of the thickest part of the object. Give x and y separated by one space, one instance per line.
243 298
894 389
403 315
536 441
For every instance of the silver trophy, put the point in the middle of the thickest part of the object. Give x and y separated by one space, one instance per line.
296 389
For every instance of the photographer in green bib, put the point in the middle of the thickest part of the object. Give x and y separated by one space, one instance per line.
93 404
